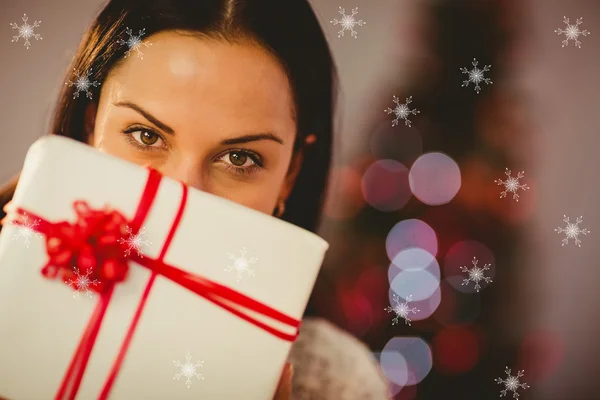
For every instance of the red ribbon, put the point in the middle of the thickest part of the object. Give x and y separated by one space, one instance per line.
94 246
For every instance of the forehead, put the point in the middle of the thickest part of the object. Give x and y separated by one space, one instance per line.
185 78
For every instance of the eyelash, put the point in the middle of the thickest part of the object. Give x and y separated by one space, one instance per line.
256 159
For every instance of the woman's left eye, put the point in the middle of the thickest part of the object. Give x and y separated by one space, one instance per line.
241 161
145 139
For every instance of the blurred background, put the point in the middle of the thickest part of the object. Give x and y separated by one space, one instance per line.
410 208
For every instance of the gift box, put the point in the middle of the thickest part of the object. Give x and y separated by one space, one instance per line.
117 282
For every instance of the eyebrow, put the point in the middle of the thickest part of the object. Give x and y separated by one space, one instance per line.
171 131
146 115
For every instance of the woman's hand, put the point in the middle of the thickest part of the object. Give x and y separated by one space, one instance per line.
7 210
284 390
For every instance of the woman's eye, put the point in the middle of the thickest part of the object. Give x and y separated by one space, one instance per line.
238 159
147 138
241 162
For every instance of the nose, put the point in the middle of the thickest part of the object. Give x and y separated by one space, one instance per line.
188 172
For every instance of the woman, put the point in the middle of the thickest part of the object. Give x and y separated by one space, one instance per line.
233 97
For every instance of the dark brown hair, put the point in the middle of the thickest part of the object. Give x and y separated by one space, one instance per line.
288 29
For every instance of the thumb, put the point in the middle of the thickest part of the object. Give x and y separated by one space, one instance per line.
284 390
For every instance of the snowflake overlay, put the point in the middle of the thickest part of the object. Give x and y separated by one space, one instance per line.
572 32
401 111
476 274
82 283
241 264
26 229
134 42
572 230
476 76
188 369
512 383
512 184
135 242
348 22
26 31
401 309
82 84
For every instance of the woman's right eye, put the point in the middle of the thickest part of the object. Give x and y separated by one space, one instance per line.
145 139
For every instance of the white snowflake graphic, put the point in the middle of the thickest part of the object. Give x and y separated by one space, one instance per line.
348 22
476 76
572 32
512 383
572 230
26 229
82 283
241 264
476 274
188 370
82 84
512 184
135 242
26 31
402 111
401 309
134 42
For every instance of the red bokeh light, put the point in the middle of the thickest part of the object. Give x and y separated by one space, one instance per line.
456 349
540 354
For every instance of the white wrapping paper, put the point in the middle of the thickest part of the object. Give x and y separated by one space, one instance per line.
41 322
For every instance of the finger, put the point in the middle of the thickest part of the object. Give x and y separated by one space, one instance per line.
284 390
8 207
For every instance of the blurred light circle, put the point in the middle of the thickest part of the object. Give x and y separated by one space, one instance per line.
457 307
357 311
419 284
541 354
456 350
400 143
414 363
393 365
462 254
434 179
385 185
347 199
411 233
416 258
398 392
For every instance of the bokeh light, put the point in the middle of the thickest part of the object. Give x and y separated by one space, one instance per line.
461 255
406 360
393 365
357 311
456 349
385 185
540 354
408 234
420 284
434 179
416 258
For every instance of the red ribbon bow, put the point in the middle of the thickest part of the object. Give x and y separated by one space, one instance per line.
96 246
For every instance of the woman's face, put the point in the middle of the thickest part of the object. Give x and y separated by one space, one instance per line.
215 115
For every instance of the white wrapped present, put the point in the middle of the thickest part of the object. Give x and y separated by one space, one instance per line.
119 283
